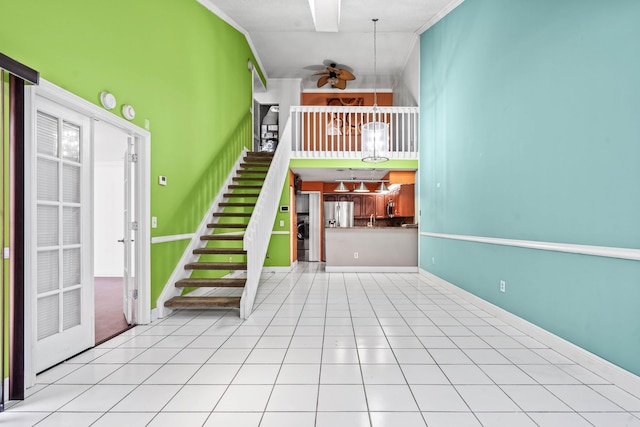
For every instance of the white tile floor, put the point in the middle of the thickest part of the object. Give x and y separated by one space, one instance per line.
327 350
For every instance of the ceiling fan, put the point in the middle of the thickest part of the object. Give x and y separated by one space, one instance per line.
337 77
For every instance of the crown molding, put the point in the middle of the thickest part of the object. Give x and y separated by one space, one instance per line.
226 18
444 12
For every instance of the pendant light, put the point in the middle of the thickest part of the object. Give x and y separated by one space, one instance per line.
361 188
382 188
341 188
375 134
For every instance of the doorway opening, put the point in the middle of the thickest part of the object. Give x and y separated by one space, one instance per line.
110 204
308 225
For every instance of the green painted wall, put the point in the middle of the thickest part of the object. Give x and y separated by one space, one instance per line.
279 250
346 164
181 67
530 130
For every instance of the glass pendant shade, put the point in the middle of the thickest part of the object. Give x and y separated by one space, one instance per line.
375 142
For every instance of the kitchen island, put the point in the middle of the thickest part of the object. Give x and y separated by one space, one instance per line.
371 249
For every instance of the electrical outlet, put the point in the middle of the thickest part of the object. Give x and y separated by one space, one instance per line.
355 255
281 223
154 222
503 286
268 256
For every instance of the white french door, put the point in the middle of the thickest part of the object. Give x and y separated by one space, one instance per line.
60 244
130 226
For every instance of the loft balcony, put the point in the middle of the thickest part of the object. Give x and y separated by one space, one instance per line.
335 132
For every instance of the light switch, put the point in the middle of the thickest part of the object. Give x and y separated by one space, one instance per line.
162 180
154 222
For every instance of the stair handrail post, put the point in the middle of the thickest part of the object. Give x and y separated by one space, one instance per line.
258 232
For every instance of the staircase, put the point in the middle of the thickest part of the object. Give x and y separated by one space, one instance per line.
223 255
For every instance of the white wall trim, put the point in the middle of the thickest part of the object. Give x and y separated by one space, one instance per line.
226 18
285 269
611 372
280 233
173 238
602 251
154 315
365 269
444 12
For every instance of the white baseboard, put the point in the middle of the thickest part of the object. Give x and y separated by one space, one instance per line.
285 269
609 371
154 315
382 269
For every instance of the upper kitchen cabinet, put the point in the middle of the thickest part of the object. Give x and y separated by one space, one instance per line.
405 200
402 200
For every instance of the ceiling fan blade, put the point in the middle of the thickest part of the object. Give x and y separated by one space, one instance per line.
323 81
321 74
345 75
336 65
315 67
341 84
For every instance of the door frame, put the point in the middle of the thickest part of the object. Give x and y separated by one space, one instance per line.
315 222
143 140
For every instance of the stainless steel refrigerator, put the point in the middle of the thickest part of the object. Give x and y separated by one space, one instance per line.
338 214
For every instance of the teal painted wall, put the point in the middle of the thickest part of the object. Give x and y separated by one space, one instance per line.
530 130
180 66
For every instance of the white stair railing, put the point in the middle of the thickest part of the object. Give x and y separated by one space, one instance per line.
258 233
335 131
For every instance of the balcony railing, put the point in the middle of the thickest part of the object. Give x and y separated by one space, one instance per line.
335 132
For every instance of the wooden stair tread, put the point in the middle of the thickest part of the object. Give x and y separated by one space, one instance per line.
211 283
222 237
250 171
253 164
219 251
245 187
229 195
203 302
254 157
216 266
248 178
232 214
237 204
219 225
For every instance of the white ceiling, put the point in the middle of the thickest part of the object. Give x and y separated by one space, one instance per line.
287 45
284 36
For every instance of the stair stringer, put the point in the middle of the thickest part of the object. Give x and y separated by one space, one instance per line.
169 291
260 227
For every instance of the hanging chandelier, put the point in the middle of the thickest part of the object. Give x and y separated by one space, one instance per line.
375 134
